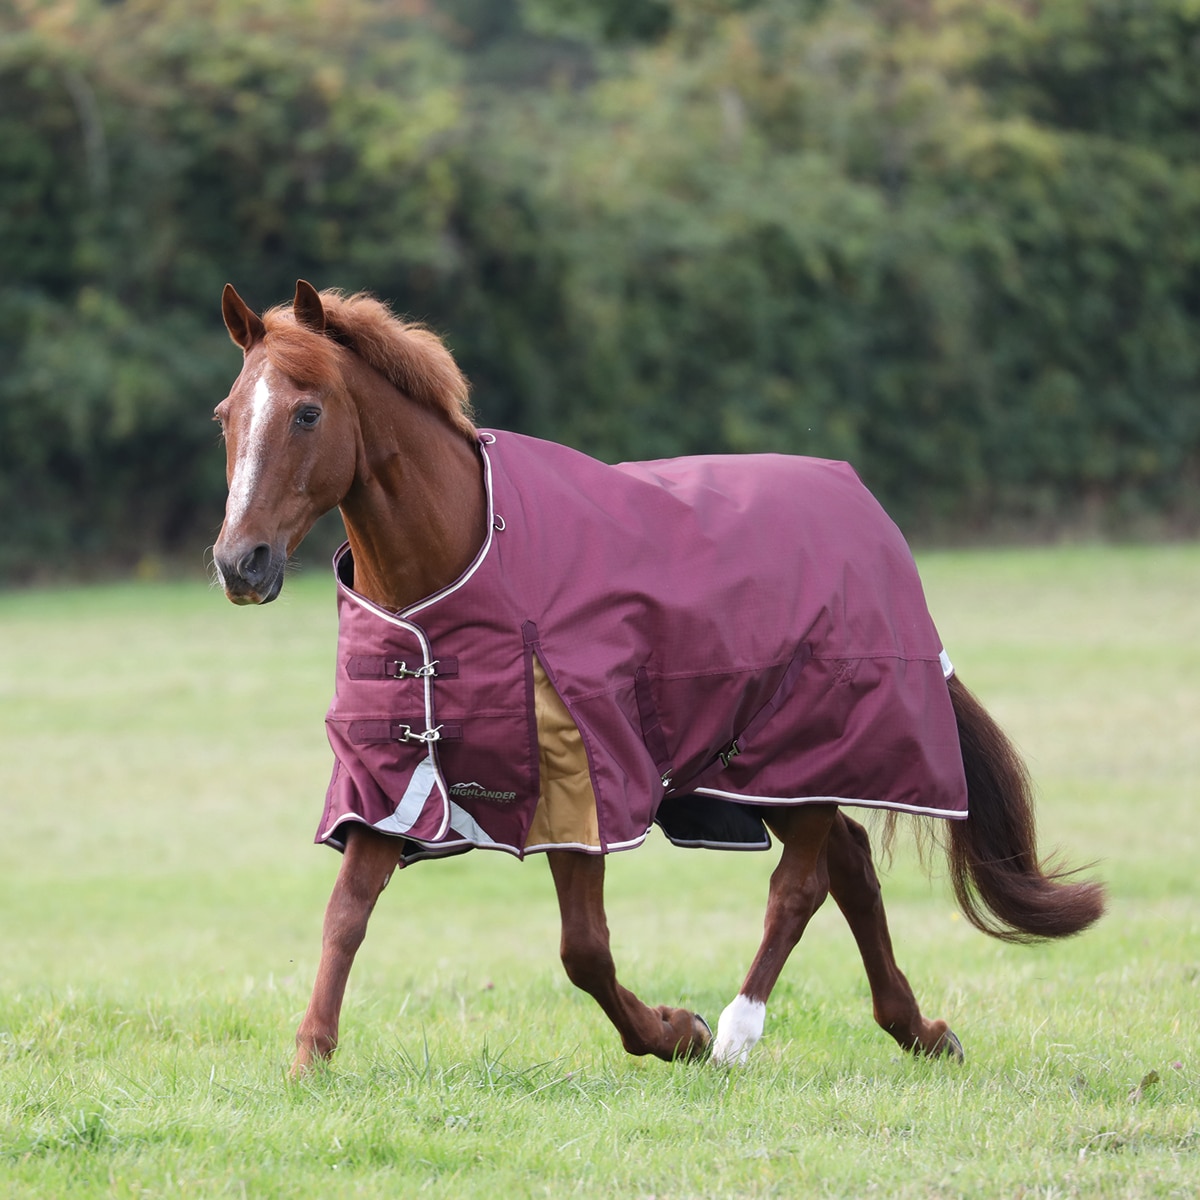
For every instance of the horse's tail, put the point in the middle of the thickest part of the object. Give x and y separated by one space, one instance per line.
998 881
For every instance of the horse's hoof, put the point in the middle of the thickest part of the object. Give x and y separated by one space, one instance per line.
695 1046
950 1047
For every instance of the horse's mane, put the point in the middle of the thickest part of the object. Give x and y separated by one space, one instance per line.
408 355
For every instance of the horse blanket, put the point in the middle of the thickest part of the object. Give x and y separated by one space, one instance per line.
673 640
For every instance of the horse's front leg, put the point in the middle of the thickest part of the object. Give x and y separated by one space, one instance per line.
367 865
666 1032
799 886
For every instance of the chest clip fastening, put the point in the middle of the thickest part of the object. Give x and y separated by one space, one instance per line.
405 733
401 671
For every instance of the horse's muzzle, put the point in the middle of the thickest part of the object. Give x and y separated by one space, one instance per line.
250 576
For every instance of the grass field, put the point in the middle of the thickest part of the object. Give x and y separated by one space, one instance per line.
162 763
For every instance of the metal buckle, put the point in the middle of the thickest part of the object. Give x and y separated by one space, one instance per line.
401 670
726 756
406 734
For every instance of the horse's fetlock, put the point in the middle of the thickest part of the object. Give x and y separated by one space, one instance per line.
635 1045
587 966
315 1045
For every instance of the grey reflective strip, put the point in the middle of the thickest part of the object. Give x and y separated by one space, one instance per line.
412 803
462 822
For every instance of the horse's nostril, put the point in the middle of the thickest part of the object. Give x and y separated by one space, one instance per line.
253 565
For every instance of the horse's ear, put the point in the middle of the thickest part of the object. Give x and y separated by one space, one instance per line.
244 325
307 306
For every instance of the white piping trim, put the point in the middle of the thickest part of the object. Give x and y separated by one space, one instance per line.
631 844
791 801
420 605
538 848
327 835
702 844
545 847
401 618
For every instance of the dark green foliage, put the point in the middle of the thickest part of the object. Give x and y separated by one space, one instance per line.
955 241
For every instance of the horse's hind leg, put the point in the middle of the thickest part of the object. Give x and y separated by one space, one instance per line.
666 1032
854 885
799 886
367 865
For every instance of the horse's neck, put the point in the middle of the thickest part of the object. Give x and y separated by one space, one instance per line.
416 515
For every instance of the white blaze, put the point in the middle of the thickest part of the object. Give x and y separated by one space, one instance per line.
252 453
740 1027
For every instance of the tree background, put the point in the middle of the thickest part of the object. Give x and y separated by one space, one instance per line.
954 241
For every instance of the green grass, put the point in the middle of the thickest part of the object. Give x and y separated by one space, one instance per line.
162 762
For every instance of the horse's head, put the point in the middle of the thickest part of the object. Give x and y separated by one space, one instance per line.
290 452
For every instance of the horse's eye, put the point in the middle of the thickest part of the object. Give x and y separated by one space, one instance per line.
306 418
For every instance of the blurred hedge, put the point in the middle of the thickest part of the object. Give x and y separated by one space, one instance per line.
955 241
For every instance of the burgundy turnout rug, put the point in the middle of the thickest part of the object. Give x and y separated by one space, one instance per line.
685 640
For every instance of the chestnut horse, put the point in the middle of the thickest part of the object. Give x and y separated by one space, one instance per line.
341 404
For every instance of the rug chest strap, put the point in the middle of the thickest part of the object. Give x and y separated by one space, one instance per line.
374 667
369 733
